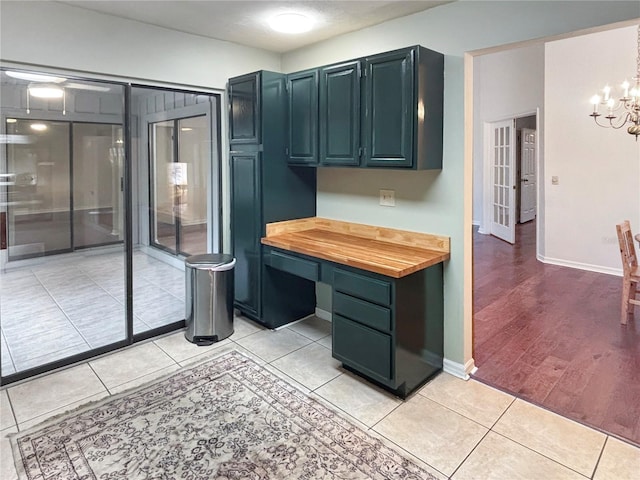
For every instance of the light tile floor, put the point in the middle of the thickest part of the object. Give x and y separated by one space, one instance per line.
460 429
68 304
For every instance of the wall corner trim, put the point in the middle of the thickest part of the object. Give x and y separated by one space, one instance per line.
323 314
458 369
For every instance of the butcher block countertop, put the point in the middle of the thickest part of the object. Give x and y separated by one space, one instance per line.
390 252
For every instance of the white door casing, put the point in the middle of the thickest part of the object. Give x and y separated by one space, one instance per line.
528 200
503 175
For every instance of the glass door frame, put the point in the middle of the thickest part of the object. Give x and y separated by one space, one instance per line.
214 173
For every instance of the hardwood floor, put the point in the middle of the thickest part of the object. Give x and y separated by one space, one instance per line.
552 335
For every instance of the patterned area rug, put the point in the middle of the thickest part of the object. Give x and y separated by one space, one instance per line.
228 418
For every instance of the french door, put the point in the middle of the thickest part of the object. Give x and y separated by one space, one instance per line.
503 174
178 191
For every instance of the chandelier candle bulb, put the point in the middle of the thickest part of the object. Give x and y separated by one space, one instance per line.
607 92
625 86
595 100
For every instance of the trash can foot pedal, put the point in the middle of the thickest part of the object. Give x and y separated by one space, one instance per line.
205 341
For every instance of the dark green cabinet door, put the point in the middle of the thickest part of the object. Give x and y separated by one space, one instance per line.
244 109
340 114
389 110
246 229
302 90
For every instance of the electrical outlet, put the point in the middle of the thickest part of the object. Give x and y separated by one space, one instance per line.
388 198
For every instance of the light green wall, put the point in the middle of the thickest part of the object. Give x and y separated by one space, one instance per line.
427 201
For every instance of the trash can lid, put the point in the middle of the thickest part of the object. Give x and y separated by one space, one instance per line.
211 261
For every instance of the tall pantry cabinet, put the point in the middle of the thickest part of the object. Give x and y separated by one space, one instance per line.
264 189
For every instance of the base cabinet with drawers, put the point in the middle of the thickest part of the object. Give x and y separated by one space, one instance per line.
389 330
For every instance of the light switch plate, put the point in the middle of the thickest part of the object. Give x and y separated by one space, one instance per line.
388 198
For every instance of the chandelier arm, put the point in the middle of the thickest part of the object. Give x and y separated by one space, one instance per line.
611 123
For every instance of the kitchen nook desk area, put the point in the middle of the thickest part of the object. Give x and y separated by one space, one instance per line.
387 293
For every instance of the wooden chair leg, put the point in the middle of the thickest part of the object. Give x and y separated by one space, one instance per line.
627 291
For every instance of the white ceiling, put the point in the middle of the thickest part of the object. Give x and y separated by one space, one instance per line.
245 22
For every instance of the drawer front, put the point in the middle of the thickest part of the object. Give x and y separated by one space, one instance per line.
294 265
370 289
367 313
362 348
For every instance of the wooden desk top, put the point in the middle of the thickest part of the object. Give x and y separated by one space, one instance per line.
390 252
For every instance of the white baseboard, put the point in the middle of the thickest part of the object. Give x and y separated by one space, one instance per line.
458 369
323 314
580 266
483 232
475 223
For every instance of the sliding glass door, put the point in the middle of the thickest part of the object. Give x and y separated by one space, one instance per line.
104 189
63 271
179 158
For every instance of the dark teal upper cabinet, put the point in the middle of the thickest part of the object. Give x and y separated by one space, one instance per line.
302 91
402 118
382 111
340 114
244 109
389 110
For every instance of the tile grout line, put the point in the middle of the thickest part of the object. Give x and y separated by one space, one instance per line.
62 309
100 379
409 453
13 415
539 453
595 468
8 350
470 453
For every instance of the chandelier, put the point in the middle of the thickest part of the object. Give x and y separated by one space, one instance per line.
625 110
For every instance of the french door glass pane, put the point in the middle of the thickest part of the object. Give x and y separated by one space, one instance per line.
163 186
193 155
97 184
39 204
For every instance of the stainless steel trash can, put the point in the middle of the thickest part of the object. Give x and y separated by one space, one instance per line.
209 297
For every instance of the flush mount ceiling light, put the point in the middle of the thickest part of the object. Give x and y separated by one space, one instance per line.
43 90
11 120
38 127
291 23
46 91
35 77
